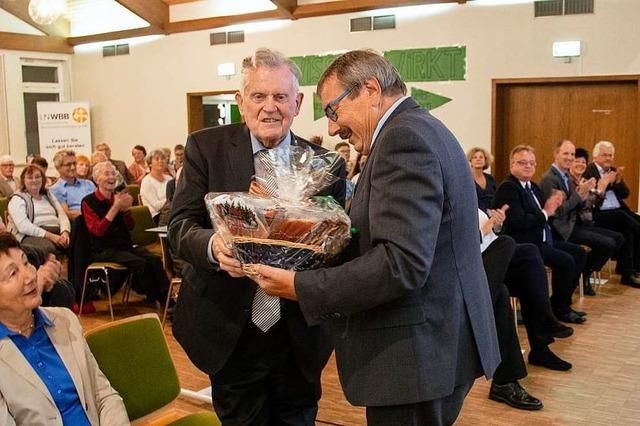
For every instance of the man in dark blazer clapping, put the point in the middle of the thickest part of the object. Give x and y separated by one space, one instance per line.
263 360
528 222
409 310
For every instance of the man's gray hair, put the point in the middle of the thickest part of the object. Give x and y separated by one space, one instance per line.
603 144
520 148
268 58
61 155
156 153
6 159
99 168
353 68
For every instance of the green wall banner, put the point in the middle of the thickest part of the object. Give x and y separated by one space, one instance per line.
318 112
312 67
435 64
432 64
428 100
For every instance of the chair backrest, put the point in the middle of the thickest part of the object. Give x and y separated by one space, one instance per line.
134 191
4 209
133 354
143 220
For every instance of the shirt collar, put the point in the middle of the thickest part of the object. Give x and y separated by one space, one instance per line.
524 183
384 119
41 320
562 172
600 169
257 146
65 182
100 196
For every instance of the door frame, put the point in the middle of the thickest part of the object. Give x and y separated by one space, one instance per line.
499 84
194 107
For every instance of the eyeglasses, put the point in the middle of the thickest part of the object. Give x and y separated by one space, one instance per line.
330 111
525 163
69 164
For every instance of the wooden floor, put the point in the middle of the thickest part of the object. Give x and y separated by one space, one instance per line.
603 388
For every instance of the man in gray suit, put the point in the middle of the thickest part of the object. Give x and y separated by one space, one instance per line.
602 242
409 309
8 184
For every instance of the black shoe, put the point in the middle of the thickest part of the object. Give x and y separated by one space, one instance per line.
558 330
514 395
580 313
546 358
571 317
588 289
631 281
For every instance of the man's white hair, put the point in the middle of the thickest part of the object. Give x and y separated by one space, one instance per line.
603 144
6 159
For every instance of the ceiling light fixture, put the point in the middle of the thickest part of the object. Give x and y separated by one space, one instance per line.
46 12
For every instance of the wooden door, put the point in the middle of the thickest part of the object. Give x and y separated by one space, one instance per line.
584 110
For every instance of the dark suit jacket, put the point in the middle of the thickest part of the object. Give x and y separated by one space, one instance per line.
620 189
213 308
122 168
410 311
564 219
524 222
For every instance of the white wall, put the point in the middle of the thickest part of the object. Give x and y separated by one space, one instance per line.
141 98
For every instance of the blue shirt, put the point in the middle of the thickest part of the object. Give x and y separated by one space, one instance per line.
72 193
40 353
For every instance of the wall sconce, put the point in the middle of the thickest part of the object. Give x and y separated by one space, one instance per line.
227 70
566 49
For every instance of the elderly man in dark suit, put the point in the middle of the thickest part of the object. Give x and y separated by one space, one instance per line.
614 214
264 369
602 242
528 222
409 310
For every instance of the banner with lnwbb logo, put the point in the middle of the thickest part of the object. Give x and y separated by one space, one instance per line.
64 125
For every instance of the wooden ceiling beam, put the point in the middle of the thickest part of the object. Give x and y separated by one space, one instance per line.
172 2
337 7
34 43
116 35
286 7
220 21
155 12
20 9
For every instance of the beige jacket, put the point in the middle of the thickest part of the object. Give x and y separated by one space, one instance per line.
25 400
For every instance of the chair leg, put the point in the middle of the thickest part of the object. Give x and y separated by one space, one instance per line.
106 274
166 304
514 306
581 286
126 290
84 287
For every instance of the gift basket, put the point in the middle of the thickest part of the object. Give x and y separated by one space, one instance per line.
280 222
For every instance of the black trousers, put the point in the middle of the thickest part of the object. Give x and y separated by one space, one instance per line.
438 412
262 384
149 277
604 243
628 224
566 261
496 259
527 280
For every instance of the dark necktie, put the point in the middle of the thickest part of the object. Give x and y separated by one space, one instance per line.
565 180
548 238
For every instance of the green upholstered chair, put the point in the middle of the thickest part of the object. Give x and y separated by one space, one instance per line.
139 235
134 356
134 191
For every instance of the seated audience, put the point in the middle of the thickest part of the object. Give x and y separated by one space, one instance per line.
528 222
83 167
354 175
496 255
36 218
8 184
44 165
153 189
48 375
169 168
613 213
120 166
480 160
108 220
138 168
69 190
524 275
316 139
178 153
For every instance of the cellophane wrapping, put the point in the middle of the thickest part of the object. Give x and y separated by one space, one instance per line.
280 222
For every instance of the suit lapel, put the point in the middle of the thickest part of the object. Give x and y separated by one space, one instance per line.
14 359
67 347
240 158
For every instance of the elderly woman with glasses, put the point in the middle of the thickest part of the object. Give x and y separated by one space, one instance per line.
36 218
48 375
153 189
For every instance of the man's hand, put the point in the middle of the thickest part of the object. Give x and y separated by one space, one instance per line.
222 254
48 273
275 281
553 202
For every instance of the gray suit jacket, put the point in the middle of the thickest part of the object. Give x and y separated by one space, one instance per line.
5 189
564 219
409 310
25 400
